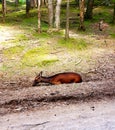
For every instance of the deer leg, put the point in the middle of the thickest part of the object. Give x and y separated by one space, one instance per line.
56 83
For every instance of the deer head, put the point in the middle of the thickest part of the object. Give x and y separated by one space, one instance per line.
37 79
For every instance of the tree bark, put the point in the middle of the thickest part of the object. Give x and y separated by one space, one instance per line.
81 6
4 9
33 3
27 7
114 14
67 21
57 14
89 11
39 17
50 13
16 2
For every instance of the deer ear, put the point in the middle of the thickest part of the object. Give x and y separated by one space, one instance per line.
40 74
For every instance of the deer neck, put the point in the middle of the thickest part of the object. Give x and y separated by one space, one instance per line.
46 79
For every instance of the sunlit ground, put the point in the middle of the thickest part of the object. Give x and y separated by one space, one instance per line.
25 52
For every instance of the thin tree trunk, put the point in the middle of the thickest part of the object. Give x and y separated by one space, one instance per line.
43 2
27 7
16 2
114 14
33 3
89 11
57 14
81 6
67 21
50 13
39 17
4 9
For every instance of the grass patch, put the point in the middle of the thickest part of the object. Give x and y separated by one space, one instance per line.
45 34
41 35
102 13
20 37
15 42
3 68
13 52
38 57
73 44
112 35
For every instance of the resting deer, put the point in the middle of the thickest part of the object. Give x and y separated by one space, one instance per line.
60 78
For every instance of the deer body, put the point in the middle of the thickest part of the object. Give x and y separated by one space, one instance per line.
60 78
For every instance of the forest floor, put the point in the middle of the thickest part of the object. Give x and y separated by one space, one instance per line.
18 96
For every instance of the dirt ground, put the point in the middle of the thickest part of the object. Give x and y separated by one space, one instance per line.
83 115
17 96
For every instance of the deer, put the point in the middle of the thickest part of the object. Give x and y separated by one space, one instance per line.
60 78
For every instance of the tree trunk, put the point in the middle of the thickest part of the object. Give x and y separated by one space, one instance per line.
81 6
33 3
27 7
16 2
114 14
50 13
89 11
4 9
67 21
57 14
39 17
43 2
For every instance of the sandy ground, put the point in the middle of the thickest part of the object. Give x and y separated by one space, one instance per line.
94 115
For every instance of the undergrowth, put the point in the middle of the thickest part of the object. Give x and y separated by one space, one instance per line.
73 44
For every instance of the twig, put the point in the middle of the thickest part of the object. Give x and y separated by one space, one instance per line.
95 71
78 62
34 125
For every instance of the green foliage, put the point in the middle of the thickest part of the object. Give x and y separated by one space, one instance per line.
113 0
30 23
102 13
73 44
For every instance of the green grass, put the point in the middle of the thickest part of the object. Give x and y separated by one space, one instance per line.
34 60
102 13
112 35
3 68
42 35
38 57
13 52
73 44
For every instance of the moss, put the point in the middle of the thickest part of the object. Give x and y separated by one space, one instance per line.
21 37
13 52
41 35
73 44
38 57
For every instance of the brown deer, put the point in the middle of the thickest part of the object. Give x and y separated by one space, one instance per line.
60 78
